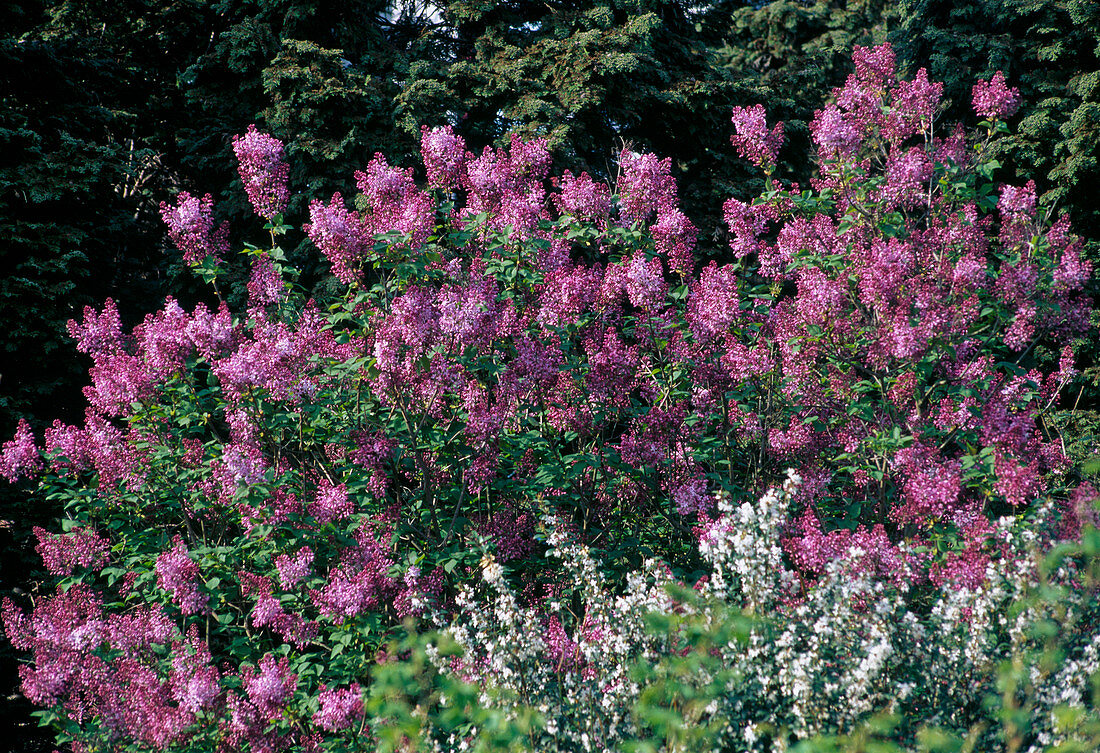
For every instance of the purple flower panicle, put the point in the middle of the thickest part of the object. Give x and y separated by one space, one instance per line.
263 171
993 100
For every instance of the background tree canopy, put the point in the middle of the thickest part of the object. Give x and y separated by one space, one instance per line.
106 109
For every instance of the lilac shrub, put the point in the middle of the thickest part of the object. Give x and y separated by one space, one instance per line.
258 499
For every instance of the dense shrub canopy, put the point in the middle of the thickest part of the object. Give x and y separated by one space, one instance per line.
529 379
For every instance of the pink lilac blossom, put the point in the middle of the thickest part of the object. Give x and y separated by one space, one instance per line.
833 134
191 227
1018 203
340 707
263 171
20 457
358 583
178 574
612 367
62 633
374 452
907 174
271 687
566 293
395 203
294 569
248 727
741 362
291 627
866 550
747 222
951 149
993 100
751 137
691 497
645 185
114 458
512 531
1017 482
63 553
340 235
674 236
884 269
281 359
163 345
193 680
99 334
583 198
265 284
140 629
1072 271
714 302
507 186
331 503
211 333
820 300
65 446
931 486
914 107
564 653
444 155
140 705
643 281
874 65
118 381
244 464
419 592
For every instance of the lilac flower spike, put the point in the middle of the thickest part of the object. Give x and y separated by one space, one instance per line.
993 100
752 139
263 172
191 227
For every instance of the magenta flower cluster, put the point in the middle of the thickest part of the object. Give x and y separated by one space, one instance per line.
191 227
993 100
263 171
752 139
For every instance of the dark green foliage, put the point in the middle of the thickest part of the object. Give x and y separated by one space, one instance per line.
591 78
793 53
1046 48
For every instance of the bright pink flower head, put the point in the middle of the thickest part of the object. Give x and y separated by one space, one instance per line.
874 65
332 502
645 185
444 154
340 707
395 203
752 138
833 134
583 198
293 570
99 334
507 185
191 227
1018 202
993 100
674 236
914 107
63 553
272 686
178 574
265 284
340 235
263 172
20 456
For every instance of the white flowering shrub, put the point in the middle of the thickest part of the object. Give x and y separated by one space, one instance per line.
755 658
